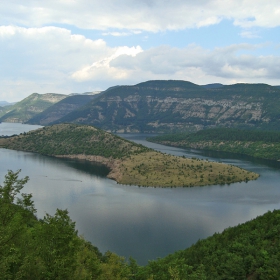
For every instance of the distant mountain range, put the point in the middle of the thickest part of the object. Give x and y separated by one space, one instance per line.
166 106
61 109
5 103
27 108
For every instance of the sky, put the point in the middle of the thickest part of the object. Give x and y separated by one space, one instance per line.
76 46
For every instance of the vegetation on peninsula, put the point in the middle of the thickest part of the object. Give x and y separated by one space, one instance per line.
130 163
260 144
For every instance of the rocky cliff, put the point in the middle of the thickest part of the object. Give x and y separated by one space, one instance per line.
164 106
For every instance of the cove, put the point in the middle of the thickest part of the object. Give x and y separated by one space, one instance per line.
144 223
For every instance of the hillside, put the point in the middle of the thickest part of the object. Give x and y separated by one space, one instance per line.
130 163
51 248
4 110
168 106
247 251
61 109
32 105
260 144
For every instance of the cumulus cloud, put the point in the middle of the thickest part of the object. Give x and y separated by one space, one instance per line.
101 69
198 65
152 15
52 59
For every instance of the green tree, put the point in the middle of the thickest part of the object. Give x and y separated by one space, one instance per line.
16 216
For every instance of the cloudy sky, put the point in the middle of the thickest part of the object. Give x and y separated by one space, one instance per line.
68 46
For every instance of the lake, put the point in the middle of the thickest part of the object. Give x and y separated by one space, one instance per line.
144 223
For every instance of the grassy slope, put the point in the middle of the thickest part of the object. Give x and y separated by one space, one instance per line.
260 144
130 163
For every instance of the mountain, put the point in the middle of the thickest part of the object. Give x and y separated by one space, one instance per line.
130 163
216 85
167 106
61 109
5 103
30 106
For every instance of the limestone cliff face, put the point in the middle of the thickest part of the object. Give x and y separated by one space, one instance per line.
160 106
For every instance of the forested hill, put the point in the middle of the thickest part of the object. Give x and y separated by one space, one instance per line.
51 248
261 144
247 251
72 139
130 163
168 106
61 108
30 106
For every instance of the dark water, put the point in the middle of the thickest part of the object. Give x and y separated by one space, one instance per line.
144 223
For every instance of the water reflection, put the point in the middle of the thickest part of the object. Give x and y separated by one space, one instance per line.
144 223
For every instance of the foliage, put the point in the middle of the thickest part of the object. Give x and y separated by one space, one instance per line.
136 164
161 170
49 248
247 251
261 144
71 139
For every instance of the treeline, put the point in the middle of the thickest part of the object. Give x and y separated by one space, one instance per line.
226 134
50 248
260 144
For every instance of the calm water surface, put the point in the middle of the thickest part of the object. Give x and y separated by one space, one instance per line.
144 223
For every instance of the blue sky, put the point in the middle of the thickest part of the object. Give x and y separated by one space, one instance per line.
67 46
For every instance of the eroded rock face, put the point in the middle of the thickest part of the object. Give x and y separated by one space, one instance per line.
143 108
158 106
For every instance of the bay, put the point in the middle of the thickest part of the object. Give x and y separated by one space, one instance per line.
144 223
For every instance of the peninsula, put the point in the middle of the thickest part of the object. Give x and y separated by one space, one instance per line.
130 163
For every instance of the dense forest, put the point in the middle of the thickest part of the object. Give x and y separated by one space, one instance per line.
247 251
261 144
50 248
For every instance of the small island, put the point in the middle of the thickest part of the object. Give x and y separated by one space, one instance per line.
129 163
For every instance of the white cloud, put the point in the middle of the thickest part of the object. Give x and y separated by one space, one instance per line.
200 66
52 59
152 15
120 34
101 69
